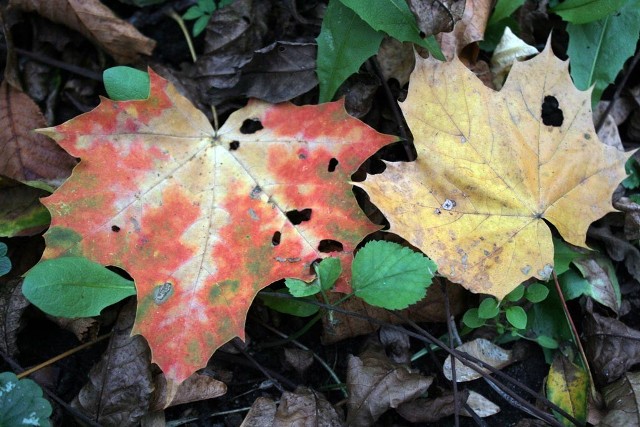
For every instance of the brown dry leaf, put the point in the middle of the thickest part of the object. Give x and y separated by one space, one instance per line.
424 410
96 22
261 414
195 388
482 349
631 217
396 344
622 399
437 16
120 385
429 309
306 408
468 30
84 328
492 167
375 385
396 60
298 360
611 347
618 248
12 305
28 156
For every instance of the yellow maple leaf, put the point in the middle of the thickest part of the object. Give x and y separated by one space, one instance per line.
492 167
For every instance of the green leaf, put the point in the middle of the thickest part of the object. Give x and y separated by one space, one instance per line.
584 11
207 6
200 25
633 170
328 270
599 49
3 249
471 318
194 12
21 402
547 342
74 287
516 316
388 275
536 292
563 256
516 294
394 18
504 9
344 43
548 319
125 83
5 262
299 288
293 306
488 308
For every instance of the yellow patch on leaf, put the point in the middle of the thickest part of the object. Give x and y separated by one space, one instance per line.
492 167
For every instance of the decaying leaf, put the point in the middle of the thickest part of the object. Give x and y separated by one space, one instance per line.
375 385
482 349
430 410
26 155
203 221
120 385
437 16
567 386
467 30
611 347
261 413
492 167
12 305
622 399
96 22
196 387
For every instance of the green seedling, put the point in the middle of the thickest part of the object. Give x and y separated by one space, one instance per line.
202 12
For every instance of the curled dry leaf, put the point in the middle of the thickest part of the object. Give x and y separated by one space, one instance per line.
509 50
375 385
120 384
96 22
611 347
482 349
468 30
622 399
201 220
12 305
26 155
492 167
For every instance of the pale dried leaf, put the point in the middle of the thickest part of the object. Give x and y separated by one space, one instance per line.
482 406
120 385
468 30
96 22
482 349
622 399
261 414
195 388
509 50
12 305
26 155
306 408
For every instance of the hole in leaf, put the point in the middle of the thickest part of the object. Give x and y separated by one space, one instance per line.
250 126
551 113
296 216
234 145
275 240
332 164
328 245
115 228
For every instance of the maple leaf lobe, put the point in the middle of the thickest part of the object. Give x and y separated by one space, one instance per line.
199 220
490 171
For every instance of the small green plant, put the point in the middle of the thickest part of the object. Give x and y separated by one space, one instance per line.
202 12
5 262
21 402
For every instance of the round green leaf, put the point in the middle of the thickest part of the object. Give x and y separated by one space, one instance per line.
471 318
488 308
516 294
516 316
126 83
536 292
21 402
74 287
389 275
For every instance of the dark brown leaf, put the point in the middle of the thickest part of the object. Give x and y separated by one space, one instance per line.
618 248
425 410
96 22
12 305
396 344
375 385
120 385
298 360
196 387
631 217
437 16
26 155
306 408
611 347
622 399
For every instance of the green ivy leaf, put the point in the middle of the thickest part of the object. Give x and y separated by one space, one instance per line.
388 275
584 11
536 292
21 402
294 306
74 287
488 308
598 50
516 316
125 83
471 318
344 43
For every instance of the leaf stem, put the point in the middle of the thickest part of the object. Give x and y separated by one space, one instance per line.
173 15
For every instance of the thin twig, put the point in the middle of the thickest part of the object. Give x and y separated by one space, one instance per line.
450 329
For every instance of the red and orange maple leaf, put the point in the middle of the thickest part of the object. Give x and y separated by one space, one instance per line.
203 220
